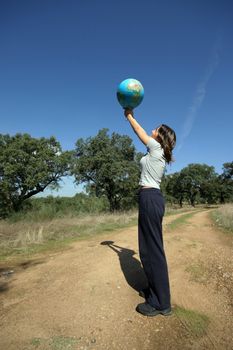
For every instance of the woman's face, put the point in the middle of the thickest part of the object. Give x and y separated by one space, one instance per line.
155 133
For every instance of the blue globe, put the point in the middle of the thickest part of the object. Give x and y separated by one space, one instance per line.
130 93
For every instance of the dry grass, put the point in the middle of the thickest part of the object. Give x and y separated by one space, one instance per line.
28 236
24 233
223 217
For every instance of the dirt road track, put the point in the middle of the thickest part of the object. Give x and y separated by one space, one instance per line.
85 297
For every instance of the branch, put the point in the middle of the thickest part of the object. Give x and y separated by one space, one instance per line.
38 189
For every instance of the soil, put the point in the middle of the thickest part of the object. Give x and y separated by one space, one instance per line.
85 297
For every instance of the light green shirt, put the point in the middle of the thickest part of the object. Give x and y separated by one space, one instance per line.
152 165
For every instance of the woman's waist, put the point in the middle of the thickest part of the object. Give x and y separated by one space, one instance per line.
149 188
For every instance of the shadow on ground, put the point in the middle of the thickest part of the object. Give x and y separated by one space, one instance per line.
130 266
9 271
4 287
28 263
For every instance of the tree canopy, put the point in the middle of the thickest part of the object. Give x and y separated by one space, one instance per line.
109 167
27 166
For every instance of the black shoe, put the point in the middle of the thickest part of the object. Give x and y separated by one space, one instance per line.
148 310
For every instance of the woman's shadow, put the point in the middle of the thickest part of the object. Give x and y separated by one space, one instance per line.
130 266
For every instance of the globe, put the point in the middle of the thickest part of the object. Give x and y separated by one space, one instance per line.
130 93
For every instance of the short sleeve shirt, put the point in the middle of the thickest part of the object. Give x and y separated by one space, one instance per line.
153 165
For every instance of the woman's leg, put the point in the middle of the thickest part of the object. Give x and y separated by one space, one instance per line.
152 255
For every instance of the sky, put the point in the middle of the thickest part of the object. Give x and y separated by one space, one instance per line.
62 61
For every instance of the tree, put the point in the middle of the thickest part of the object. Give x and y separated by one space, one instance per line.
225 183
194 178
193 183
27 166
171 186
198 183
209 191
228 170
109 168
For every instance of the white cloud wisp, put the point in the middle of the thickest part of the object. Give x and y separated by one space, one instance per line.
199 95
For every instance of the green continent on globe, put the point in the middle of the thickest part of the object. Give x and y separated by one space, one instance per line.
121 97
135 97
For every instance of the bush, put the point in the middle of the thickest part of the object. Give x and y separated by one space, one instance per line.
39 209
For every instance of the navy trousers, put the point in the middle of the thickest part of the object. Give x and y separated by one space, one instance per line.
151 250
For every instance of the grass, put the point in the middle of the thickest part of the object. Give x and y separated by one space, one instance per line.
55 343
182 220
194 321
198 273
62 343
25 237
223 218
173 211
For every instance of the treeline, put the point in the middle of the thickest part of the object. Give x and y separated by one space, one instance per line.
199 184
108 166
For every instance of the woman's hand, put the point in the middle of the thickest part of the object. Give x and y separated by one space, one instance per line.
128 112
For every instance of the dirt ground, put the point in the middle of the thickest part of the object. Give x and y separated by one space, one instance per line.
85 297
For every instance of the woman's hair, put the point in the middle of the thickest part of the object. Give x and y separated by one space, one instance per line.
167 138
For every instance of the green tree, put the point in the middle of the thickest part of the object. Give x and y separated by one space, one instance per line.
209 191
27 166
228 170
194 178
225 183
193 183
198 183
109 167
171 186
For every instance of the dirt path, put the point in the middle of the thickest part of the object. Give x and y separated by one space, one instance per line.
85 297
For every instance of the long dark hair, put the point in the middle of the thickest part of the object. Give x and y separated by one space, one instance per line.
167 138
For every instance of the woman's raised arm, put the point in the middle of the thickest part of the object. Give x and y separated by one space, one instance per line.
139 131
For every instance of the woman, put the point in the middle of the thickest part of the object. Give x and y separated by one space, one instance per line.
151 210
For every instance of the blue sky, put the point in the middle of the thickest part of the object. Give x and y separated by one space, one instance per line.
61 63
